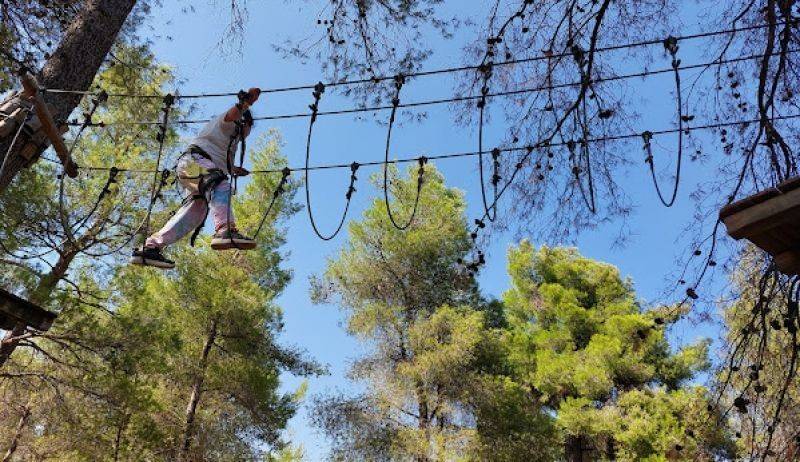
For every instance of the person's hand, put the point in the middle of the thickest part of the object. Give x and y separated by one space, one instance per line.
253 95
240 171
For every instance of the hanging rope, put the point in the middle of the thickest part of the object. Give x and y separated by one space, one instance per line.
319 89
491 212
399 82
69 229
112 179
169 100
671 45
238 135
280 189
62 213
160 180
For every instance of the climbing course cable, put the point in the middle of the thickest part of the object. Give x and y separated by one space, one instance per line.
583 157
671 45
455 155
491 213
399 82
319 89
447 70
280 189
169 100
459 99
69 229
486 70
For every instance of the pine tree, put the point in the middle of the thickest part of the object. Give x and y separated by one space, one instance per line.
93 216
756 377
408 299
600 367
72 65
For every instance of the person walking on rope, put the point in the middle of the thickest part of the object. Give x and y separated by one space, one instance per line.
203 172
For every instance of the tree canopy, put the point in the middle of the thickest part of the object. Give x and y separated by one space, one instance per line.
569 363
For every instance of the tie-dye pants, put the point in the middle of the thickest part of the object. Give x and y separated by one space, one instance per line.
191 215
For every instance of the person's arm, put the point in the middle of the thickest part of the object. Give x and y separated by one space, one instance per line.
236 111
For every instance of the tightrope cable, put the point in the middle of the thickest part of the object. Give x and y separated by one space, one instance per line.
458 99
446 70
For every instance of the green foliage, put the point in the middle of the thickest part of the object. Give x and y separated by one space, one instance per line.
758 303
591 361
510 426
407 298
133 347
567 364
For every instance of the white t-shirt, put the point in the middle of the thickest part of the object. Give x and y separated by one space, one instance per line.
214 139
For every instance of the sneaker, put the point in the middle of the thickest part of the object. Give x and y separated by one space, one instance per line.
225 239
151 256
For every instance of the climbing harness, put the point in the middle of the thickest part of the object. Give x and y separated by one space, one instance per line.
200 182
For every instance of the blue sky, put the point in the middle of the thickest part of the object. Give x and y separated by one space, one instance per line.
648 258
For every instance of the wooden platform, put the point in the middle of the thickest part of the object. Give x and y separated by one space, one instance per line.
770 219
15 310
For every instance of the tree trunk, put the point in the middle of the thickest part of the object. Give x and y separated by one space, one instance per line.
39 296
197 388
423 420
118 439
23 421
579 449
73 66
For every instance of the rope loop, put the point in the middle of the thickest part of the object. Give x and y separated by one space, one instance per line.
671 45
399 82
319 89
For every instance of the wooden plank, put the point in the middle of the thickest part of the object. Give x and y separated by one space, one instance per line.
48 125
11 122
762 217
762 196
14 310
788 262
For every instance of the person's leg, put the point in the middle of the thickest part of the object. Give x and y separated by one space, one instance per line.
189 217
220 206
192 214
226 235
